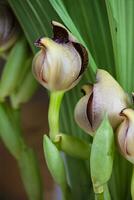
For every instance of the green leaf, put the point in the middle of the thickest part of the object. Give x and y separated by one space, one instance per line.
101 160
132 185
54 162
35 18
13 68
9 134
25 91
122 172
30 175
121 15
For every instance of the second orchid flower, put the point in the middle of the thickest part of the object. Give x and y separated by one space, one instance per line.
105 96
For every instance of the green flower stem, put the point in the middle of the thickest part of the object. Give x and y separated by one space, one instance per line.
53 113
69 144
99 196
132 185
107 195
53 119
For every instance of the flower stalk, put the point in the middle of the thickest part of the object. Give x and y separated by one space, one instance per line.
132 185
53 113
99 196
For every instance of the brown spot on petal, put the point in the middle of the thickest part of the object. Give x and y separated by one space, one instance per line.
83 54
41 60
60 35
125 144
122 112
43 80
86 89
38 43
89 109
83 91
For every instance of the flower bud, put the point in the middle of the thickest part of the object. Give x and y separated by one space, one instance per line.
9 29
125 134
61 61
105 96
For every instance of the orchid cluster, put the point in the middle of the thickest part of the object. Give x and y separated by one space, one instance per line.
59 66
89 149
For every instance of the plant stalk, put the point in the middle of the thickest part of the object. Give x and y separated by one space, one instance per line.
132 185
99 196
53 113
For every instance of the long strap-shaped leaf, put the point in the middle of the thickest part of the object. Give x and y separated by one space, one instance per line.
121 15
35 18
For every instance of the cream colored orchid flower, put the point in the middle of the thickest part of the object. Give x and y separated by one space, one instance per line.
105 96
60 63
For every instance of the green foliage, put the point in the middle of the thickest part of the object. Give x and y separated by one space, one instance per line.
132 185
26 86
106 29
101 160
121 15
35 18
56 166
9 134
54 162
13 68
29 170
